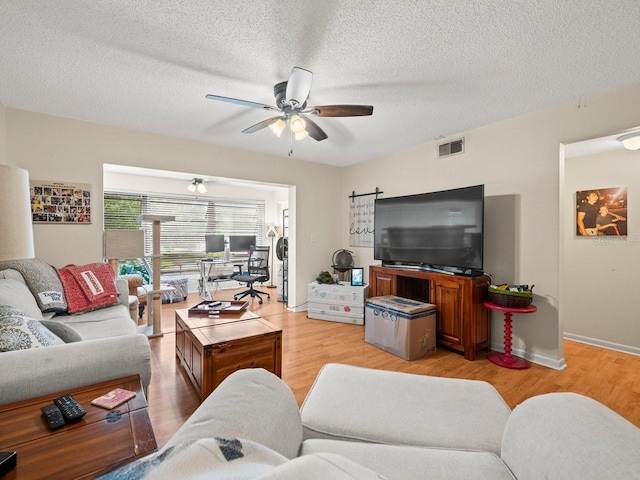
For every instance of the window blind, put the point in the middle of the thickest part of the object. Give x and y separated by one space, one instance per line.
182 242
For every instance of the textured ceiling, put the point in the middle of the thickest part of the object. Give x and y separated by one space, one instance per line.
430 68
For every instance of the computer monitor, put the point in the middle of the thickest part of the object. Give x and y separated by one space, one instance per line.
214 243
241 243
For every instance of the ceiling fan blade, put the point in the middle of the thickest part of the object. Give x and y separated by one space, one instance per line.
341 110
261 125
314 130
244 103
299 86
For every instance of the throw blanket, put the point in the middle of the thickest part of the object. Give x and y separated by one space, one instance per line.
88 287
43 281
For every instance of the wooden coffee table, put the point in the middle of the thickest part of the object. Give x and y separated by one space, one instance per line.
89 447
211 349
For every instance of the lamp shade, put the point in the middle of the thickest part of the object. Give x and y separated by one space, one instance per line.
123 244
16 230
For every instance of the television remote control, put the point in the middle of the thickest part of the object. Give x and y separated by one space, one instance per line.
70 408
53 416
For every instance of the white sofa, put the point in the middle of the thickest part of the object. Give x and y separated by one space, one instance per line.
96 346
413 427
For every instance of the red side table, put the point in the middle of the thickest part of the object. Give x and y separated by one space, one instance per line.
506 359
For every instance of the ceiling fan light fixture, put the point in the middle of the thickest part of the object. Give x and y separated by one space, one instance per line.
297 124
301 135
631 141
278 127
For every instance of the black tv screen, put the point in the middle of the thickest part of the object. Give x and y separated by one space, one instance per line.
437 229
241 243
214 243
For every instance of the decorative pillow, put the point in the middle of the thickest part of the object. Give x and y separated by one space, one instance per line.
43 281
21 332
18 296
88 287
205 458
66 333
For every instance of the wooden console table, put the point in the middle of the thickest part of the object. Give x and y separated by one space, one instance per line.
462 321
86 448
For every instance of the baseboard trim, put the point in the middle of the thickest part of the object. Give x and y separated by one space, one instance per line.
533 357
603 344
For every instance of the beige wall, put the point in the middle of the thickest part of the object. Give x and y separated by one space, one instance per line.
518 162
53 148
600 285
3 135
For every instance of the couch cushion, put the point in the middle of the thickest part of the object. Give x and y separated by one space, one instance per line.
43 281
88 287
362 404
17 295
414 463
561 436
321 466
112 321
18 331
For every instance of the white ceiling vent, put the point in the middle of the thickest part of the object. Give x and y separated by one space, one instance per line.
452 148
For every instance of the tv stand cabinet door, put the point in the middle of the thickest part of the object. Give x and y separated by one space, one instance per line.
448 297
381 283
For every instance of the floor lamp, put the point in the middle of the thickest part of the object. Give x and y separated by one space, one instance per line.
154 297
271 233
16 230
122 245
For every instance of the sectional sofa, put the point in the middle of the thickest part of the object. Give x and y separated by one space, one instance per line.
359 423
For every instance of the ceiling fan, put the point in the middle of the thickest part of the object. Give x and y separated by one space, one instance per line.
291 103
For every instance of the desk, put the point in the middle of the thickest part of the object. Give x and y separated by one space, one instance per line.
506 359
216 269
87 448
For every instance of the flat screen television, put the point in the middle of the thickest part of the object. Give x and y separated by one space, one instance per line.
214 243
241 243
438 230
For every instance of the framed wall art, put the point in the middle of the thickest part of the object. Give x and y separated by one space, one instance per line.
601 212
60 202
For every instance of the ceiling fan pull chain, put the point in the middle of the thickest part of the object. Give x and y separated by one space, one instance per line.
290 142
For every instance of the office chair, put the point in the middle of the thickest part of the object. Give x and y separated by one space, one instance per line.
257 271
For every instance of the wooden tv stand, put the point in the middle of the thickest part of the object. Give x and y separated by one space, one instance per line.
463 322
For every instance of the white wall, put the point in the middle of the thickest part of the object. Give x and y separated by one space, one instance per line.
518 162
600 285
3 134
59 149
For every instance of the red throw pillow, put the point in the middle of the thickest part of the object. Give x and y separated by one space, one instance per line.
88 287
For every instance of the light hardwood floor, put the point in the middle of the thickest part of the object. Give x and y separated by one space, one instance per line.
610 377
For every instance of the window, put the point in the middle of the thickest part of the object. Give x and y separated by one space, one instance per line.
182 242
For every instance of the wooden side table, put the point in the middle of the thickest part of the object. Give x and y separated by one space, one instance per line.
94 445
506 359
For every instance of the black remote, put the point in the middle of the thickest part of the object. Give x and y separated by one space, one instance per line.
53 416
70 408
